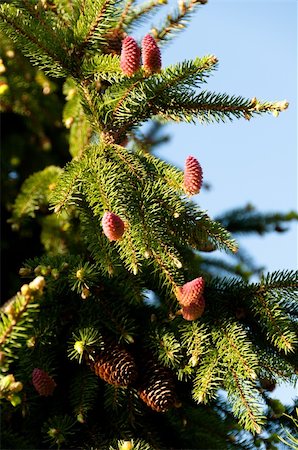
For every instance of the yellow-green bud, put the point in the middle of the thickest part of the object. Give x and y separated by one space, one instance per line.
85 293
24 271
79 347
55 274
3 87
15 387
37 284
80 274
25 290
126 445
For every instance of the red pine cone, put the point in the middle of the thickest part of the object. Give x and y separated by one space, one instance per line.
193 176
113 226
194 310
190 292
115 366
43 383
151 55
130 59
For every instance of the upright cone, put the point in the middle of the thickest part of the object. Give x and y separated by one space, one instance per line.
130 59
113 226
193 176
151 55
43 383
190 292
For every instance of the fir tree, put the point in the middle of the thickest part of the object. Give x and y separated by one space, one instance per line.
86 360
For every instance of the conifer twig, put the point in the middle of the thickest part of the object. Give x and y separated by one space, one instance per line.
177 20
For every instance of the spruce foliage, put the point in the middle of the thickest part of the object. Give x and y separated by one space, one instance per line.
102 318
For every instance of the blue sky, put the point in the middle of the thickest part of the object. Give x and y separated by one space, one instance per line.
246 161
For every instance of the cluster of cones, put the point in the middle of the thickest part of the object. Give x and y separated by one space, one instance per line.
131 55
116 366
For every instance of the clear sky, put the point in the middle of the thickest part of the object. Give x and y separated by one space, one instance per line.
246 161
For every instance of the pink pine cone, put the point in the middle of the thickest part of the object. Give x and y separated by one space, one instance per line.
193 176
151 55
113 226
190 292
194 310
43 383
130 59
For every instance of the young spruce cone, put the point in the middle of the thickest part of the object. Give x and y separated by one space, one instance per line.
157 389
115 366
43 383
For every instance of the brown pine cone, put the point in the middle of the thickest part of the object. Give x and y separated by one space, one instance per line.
157 389
115 366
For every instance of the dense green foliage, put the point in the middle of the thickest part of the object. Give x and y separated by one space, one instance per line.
91 297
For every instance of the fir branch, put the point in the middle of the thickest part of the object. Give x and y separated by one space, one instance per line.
166 347
83 393
208 107
196 228
22 29
105 67
248 220
136 99
45 17
208 378
195 339
93 23
275 322
177 20
17 316
66 192
123 18
35 192
246 402
237 349
281 281
141 12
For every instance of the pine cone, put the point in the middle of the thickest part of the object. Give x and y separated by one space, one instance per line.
130 59
113 226
43 383
190 292
150 55
115 366
157 389
194 310
193 176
